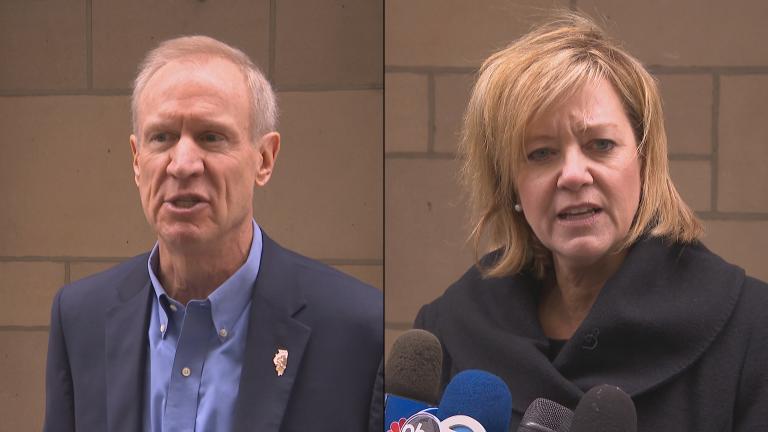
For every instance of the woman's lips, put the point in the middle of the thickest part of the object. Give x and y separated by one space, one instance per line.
579 213
579 217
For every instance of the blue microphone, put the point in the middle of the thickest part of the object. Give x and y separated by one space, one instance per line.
475 399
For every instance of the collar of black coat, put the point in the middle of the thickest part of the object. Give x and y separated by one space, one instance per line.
653 319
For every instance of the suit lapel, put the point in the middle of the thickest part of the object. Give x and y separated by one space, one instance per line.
126 353
277 298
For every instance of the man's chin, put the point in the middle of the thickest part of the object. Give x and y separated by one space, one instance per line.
184 236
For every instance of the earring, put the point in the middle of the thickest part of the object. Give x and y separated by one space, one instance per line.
518 208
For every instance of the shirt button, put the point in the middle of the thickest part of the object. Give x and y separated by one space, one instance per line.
162 328
173 307
223 333
186 372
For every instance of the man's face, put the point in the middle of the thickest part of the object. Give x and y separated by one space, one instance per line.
194 160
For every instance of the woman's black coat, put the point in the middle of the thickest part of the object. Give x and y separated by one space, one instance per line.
679 329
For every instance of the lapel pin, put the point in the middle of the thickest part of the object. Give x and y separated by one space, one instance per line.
280 361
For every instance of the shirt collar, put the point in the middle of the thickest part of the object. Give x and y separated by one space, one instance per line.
228 300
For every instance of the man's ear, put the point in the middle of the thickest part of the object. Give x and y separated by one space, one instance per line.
135 154
268 147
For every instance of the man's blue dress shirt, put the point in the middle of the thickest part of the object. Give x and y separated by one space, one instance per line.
196 351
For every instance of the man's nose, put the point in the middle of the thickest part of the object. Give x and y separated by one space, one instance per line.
576 169
186 158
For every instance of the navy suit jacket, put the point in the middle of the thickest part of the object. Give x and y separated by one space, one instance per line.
330 323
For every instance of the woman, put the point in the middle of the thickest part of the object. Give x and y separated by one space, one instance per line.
599 277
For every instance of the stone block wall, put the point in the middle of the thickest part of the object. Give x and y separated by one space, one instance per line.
712 66
70 207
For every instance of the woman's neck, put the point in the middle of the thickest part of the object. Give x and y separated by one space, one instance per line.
568 296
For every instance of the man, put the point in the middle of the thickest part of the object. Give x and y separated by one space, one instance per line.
218 328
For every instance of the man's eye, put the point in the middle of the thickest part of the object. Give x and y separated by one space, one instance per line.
603 145
541 154
212 137
160 137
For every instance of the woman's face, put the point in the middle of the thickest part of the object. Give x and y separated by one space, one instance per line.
580 186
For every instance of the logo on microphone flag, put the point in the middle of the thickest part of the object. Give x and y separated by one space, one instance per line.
397 426
422 422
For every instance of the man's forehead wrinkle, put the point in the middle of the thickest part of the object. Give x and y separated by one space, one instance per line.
174 119
193 75
181 95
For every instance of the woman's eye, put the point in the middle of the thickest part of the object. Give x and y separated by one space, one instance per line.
603 145
541 154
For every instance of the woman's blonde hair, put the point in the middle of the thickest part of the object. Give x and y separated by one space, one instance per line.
523 80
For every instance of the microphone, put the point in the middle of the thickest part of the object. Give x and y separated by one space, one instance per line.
605 408
412 376
544 415
475 401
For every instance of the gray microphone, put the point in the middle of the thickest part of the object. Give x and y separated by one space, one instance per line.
544 415
605 408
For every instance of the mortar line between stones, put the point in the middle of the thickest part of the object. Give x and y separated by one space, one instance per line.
89 44
17 328
419 155
272 39
127 92
715 141
389 325
656 69
431 113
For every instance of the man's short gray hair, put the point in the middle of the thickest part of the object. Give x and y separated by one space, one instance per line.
263 103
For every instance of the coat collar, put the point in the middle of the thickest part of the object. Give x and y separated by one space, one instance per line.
126 349
651 321
263 395
277 298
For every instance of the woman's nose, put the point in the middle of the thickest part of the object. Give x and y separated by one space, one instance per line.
575 172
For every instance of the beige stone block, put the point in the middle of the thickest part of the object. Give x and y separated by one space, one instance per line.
123 32
66 181
743 144
406 116
80 270
22 372
688 32
693 182
26 290
426 229
687 112
329 43
451 97
325 197
741 243
390 336
42 44
371 274
456 32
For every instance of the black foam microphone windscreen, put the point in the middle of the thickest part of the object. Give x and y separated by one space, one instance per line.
605 408
544 415
414 366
